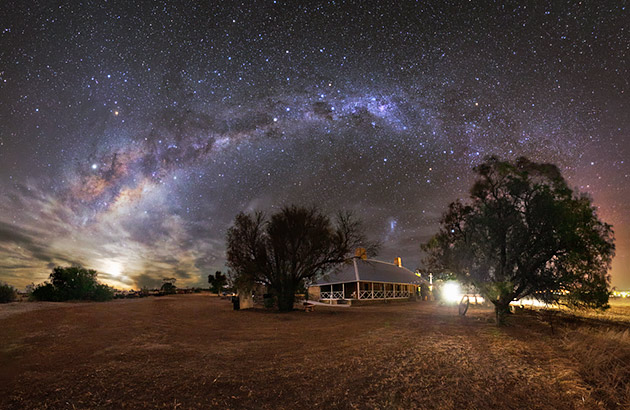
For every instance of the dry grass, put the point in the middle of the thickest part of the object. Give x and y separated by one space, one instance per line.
193 351
619 312
603 358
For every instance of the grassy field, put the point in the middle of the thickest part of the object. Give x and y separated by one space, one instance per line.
193 351
619 311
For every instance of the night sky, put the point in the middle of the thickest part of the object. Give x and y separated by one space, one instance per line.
131 134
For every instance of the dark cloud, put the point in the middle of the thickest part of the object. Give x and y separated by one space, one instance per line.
25 240
146 280
181 274
11 233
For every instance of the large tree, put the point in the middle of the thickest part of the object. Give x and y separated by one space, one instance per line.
293 245
525 233
168 286
217 282
72 283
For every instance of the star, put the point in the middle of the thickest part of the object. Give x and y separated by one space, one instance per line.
251 107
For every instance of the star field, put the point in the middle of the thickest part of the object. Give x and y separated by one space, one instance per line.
131 135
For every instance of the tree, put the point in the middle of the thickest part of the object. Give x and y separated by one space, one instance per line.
7 293
525 233
294 245
72 283
217 281
168 286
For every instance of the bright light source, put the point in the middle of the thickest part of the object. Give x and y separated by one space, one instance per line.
94 166
451 292
114 268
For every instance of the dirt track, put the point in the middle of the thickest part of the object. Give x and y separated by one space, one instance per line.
193 351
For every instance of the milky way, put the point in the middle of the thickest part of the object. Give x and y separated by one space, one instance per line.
130 136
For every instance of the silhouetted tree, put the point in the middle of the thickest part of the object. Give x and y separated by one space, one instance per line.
7 293
168 286
294 244
525 233
217 282
72 283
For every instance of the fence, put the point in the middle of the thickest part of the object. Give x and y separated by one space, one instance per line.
369 294
331 295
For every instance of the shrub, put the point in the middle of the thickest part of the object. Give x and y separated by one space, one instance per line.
101 293
72 283
45 292
7 293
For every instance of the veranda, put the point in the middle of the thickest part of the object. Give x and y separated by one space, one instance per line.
366 290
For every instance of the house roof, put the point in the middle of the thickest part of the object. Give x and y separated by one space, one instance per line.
370 270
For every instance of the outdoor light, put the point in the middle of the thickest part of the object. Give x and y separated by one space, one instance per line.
451 292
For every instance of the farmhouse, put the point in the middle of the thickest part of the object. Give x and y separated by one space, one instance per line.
366 280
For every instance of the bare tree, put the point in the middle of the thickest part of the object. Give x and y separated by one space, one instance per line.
293 245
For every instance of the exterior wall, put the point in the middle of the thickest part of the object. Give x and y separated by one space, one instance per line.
246 300
314 292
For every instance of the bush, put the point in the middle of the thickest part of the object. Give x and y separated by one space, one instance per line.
101 293
7 293
45 292
72 283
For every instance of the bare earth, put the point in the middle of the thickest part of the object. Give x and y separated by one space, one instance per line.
194 351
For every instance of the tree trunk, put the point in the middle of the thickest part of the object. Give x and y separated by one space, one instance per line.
286 298
501 311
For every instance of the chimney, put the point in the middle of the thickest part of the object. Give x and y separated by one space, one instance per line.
361 253
398 261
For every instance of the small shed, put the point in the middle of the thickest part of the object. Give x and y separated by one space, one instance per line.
367 279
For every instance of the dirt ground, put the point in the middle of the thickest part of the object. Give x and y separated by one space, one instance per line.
194 351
